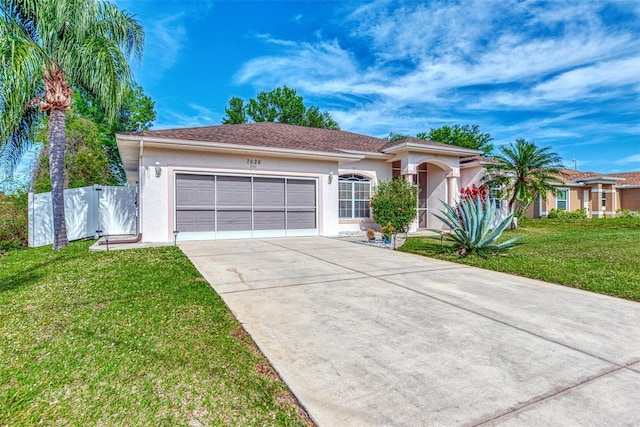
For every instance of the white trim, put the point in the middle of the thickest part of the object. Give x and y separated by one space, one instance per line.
447 149
599 190
566 198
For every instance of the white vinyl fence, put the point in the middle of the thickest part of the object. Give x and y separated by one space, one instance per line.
89 211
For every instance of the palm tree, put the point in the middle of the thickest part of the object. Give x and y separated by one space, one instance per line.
522 172
46 48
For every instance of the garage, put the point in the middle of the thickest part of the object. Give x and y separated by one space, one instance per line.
238 206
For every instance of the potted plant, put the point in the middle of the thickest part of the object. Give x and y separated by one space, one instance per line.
387 232
371 235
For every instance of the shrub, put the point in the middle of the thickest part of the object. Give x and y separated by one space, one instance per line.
562 214
626 213
13 221
470 222
394 205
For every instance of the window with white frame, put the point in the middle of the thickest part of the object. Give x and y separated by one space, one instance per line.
561 200
604 201
354 196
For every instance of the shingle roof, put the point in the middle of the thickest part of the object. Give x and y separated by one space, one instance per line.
280 135
570 175
479 159
277 135
630 178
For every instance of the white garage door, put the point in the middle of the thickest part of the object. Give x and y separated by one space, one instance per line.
230 206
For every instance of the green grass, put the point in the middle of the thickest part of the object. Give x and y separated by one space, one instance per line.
126 338
599 255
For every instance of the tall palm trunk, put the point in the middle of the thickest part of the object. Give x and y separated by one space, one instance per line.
57 142
57 99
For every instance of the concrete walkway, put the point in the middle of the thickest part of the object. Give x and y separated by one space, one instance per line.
368 336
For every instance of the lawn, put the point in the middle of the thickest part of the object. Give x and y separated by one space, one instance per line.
127 338
598 255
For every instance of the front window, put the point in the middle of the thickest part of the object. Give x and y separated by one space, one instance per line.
355 192
604 201
561 200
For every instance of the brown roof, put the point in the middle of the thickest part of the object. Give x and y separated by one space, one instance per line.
630 178
279 135
570 175
574 175
480 159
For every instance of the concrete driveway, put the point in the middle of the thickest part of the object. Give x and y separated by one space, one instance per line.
368 336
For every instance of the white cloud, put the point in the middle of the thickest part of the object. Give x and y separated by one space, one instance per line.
169 118
630 159
515 68
165 39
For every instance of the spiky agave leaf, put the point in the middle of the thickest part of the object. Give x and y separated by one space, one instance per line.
470 223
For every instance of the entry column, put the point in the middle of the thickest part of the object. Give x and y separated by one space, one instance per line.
452 186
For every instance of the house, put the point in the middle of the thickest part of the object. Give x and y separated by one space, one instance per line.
273 179
601 195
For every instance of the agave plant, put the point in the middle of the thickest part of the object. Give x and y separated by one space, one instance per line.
471 227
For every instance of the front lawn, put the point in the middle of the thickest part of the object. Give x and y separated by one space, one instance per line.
125 338
599 255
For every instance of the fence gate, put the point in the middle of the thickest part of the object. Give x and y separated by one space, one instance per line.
89 212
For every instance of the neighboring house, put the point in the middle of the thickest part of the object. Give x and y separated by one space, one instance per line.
272 179
601 195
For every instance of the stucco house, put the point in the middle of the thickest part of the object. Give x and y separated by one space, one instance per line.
272 179
601 195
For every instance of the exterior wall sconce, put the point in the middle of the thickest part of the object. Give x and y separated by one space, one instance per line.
158 169
330 177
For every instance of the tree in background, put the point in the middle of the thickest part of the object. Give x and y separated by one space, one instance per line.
522 172
46 47
281 105
394 136
461 136
91 153
137 114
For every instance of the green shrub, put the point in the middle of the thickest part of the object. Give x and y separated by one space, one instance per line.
562 214
626 213
13 221
471 223
394 206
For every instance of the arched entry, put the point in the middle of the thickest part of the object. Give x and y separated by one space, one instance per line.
436 180
423 199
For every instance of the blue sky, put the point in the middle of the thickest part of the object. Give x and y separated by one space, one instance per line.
564 74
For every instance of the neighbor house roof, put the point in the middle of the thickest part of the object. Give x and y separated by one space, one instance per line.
630 178
620 179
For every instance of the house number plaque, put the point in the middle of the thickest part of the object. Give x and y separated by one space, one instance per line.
254 162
